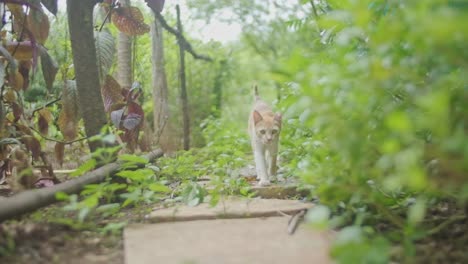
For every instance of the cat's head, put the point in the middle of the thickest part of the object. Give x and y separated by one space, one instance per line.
267 127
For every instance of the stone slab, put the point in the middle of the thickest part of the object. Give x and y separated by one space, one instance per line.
229 208
227 241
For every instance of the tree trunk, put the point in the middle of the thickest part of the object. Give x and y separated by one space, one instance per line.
218 89
80 20
124 56
160 91
183 88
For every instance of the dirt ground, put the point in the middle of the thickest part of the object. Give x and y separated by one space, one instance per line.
30 241
53 244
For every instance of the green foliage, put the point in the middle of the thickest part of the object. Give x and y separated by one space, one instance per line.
220 160
373 119
193 194
136 184
373 95
223 155
352 246
228 186
7 244
374 116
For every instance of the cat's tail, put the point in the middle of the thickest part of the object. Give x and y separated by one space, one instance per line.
257 97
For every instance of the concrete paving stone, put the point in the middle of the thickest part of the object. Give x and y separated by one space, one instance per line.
225 241
229 208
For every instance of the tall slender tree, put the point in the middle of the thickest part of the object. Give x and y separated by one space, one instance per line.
183 87
124 55
160 90
80 20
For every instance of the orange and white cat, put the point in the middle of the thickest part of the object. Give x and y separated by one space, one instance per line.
264 129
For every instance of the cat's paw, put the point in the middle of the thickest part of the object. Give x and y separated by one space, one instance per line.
264 183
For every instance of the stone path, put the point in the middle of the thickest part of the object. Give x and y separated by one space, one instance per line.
229 208
235 231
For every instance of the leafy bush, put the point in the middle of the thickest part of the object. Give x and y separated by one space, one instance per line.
223 155
376 117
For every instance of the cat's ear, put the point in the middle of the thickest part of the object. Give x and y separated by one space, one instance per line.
278 117
257 117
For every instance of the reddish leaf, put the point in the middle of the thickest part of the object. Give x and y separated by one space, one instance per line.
69 116
23 129
129 20
134 92
23 172
134 117
17 111
25 67
30 3
45 117
155 5
46 114
117 106
43 125
125 91
30 27
131 121
111 93
116 117
38 24
18 16
59 152
16 81
33 145
68 126
49 68
20 50
10 96
134 108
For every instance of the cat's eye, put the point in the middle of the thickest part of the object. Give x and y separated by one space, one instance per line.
262 131
274 131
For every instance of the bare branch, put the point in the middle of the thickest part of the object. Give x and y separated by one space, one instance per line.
181 39
314 9
46 105
56 140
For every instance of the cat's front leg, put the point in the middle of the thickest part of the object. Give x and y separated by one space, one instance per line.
271 161
261 168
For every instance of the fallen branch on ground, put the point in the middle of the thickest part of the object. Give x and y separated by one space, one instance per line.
31 200
294 221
